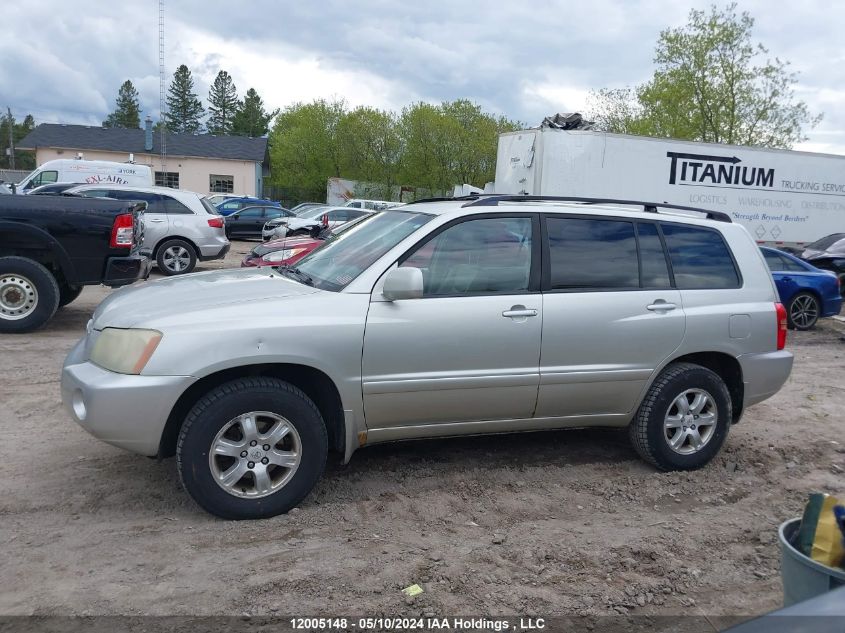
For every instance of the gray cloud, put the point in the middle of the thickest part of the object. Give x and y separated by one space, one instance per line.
65 61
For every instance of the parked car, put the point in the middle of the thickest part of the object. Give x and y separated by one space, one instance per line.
309 221
51 246
828 253
304 206
248 221
228 207
437 319
180 227
219 198
288 250
373 205
52 189
808 293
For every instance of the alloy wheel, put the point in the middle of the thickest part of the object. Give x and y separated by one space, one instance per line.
176 259
690 421
804 311
255 454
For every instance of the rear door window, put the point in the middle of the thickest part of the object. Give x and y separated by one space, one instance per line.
592 254
700 258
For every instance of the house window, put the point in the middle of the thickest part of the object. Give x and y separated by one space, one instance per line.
221 184
167 179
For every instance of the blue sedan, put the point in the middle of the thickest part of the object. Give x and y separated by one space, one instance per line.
808 293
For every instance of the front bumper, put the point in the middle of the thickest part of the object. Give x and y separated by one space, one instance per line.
121 271
764 374
127 411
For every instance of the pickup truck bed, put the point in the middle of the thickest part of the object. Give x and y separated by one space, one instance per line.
52 246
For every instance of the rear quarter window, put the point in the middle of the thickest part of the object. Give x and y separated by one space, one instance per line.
700 258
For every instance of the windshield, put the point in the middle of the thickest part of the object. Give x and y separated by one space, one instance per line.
826 242
347 254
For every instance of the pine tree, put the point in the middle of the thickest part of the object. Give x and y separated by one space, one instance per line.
127 112
252 119
184 109
222 104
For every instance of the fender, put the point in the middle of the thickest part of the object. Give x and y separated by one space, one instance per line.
18 236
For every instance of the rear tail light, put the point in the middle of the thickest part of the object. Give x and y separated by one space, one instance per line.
122 231
781 317
325 219
216 223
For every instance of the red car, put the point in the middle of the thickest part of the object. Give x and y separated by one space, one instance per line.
289 250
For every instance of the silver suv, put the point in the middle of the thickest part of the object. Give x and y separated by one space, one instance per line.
180 227
480 315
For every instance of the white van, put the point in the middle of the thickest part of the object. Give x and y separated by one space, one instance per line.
91 172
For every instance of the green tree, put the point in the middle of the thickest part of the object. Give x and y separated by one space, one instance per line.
127 112
450 144
305 147
184 109
222 104
371 148
23 160
712 84
251 119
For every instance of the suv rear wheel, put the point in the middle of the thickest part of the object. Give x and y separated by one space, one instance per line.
176 257
252 448
684 419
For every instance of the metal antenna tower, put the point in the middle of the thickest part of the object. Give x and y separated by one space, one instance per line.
162 96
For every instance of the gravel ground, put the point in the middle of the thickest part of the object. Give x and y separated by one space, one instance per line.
554 523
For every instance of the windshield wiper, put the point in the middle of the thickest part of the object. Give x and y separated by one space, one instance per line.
295 273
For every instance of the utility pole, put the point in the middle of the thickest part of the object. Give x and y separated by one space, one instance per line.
162 96
11 138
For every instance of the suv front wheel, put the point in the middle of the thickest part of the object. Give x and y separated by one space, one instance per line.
252 448
684 419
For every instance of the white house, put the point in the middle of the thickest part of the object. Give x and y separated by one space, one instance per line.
197 162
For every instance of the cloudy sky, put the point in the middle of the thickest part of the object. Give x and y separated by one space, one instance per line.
64 61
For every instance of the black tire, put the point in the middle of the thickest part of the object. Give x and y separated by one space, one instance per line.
22 279
647 431
68 294
806 308
215 411
175 257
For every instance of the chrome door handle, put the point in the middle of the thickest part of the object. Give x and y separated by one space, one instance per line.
522 312
661 306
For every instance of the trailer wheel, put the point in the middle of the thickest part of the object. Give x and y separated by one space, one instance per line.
29 294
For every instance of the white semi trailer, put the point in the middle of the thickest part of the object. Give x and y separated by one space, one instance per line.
782 197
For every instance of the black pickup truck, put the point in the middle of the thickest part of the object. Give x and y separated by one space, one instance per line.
52 246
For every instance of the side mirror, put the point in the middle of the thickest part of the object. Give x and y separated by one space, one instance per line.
403 283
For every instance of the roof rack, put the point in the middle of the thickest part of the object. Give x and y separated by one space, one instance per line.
492 200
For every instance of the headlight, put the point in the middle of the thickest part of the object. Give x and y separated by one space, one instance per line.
280 256
125 351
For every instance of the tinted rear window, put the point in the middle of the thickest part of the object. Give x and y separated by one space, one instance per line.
592 254
700 258
655 270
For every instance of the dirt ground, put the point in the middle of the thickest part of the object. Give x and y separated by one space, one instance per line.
555 523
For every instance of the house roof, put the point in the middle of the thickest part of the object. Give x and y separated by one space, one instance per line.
84 137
